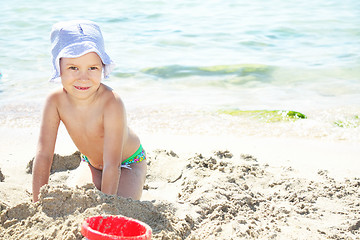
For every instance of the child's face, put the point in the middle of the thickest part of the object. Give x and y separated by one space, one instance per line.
81 75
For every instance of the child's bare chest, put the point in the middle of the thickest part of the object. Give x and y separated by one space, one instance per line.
85 128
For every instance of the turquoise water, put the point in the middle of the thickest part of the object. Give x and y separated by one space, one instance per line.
185 57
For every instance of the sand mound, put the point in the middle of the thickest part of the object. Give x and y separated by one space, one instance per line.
220 196
168 159
236 197
60 163
61 210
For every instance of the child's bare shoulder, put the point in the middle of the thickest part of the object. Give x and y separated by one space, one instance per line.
51 107
55 96
111 97
112 101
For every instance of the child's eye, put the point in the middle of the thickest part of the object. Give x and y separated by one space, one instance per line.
93 68
73 68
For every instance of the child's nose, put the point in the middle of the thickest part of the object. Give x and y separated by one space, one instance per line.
84 75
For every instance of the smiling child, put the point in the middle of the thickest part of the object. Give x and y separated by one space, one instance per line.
93 114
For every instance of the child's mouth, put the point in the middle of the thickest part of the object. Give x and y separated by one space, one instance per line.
81 88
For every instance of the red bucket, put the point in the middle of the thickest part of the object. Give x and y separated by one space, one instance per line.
115 227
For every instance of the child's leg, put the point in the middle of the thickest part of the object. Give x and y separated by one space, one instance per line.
96 176
132 180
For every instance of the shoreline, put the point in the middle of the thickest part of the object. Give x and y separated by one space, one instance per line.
305 155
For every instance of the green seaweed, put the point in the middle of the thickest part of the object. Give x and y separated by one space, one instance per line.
241 69
266 115
174 71
123 75
350 122
297 115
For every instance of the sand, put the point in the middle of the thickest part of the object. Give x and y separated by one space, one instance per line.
217 194
1 176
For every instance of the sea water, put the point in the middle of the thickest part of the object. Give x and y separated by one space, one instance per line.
193 66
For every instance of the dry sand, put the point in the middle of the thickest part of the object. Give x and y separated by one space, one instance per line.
208 195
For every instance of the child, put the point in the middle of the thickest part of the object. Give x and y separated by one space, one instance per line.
92 113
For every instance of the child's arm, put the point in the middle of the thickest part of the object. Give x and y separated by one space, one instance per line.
46 144
115 129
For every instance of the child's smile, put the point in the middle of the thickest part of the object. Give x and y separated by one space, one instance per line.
81 88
